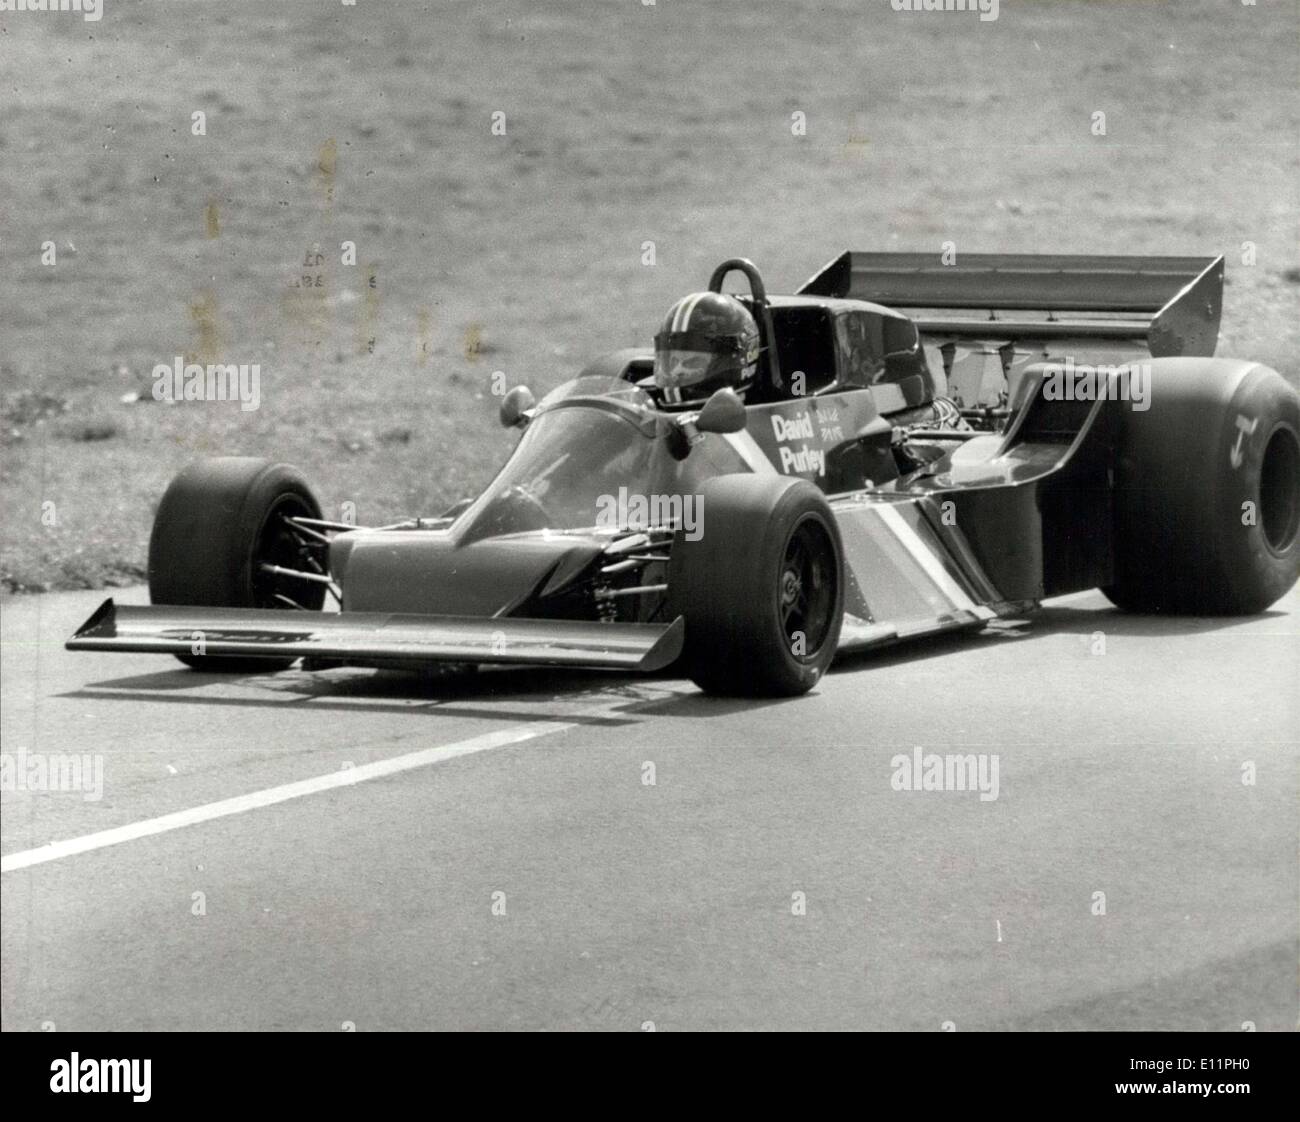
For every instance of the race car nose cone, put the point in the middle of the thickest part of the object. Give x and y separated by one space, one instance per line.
431 573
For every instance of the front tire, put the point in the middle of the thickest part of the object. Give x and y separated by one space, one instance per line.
762 589
1207 501
217 523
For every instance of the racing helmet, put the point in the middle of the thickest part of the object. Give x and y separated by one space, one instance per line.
708 340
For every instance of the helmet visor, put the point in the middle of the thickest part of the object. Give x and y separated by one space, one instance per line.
680 368
687 358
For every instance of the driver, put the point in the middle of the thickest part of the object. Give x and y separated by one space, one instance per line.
708 340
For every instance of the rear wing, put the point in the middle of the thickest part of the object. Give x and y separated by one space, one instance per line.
1174 303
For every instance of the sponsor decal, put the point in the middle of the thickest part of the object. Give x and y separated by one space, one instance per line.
802 457
1245 428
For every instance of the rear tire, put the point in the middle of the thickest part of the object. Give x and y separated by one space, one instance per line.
762 590
217 522
1208 491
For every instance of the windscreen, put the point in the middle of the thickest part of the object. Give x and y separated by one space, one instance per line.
591 460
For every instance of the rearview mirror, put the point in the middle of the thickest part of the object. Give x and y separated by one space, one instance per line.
516 407
723 412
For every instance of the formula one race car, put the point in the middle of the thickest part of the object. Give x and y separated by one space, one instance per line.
1036 425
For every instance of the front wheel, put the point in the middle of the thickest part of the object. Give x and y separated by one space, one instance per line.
218 524
761 587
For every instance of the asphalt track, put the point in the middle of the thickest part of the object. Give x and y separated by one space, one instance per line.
351 834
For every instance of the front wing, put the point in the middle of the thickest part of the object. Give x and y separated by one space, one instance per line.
377 638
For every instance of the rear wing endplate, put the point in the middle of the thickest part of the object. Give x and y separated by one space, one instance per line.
1174 303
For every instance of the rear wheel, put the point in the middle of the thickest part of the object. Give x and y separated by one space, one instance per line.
762 589
218 524
1207 518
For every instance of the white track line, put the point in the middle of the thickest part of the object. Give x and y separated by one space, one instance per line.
345 777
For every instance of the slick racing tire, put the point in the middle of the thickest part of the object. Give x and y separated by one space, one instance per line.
218 522
762 589
1207 490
